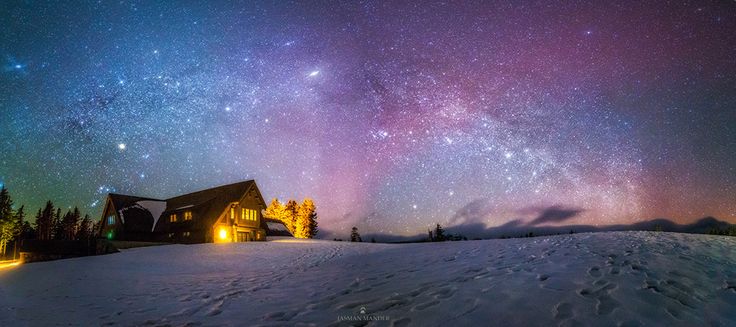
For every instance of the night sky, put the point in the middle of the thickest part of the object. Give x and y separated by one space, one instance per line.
392 117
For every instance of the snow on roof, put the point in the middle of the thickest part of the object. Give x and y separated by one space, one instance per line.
184 207
276 226
155 208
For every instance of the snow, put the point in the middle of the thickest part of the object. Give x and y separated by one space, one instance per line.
276 226
601 279
156 208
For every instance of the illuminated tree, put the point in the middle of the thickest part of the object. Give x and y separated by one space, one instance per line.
306 220
289 219
7 220
275 209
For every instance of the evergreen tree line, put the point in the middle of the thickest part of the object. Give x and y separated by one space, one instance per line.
439 235
50 224
300 219
730 231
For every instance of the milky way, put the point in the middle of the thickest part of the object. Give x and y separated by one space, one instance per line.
392 117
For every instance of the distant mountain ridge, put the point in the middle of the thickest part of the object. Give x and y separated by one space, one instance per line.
517 228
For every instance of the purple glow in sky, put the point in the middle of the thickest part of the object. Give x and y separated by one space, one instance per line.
391 116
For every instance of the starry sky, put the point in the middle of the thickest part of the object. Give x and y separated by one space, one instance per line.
391 116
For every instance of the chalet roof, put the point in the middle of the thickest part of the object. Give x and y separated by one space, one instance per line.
121 201
229 192
274 227
207 203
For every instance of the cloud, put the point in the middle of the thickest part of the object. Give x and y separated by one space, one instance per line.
554 214
476 211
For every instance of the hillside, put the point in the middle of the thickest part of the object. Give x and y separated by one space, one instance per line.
602 279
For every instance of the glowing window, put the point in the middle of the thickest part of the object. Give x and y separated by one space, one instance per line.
110 220
186 234
232 212
249 214
187 215
172 218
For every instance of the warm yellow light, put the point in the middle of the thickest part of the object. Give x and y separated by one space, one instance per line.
223 233
8 265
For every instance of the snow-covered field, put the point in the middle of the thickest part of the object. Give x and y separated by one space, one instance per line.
603 279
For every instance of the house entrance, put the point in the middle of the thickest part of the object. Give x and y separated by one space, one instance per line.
244 237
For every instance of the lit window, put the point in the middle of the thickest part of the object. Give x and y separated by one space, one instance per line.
187 215
171 235
243 214
110 220
232 212
172 218
186 234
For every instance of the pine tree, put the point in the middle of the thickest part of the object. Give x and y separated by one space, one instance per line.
57 229
45 222
439 233
69 224
354 235
312 223
83 231
20 217
96 229
275 209
7 220
289 217
306 220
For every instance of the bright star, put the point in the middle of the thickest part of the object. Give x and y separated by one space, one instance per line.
121 146
314 73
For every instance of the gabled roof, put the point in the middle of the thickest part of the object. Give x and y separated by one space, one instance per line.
231 192
207 203
274 227
120 201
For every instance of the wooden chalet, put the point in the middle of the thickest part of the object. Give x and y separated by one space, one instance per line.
228 213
